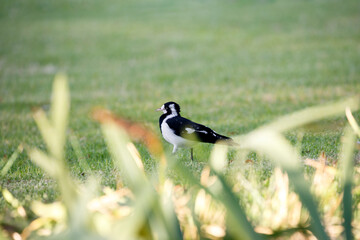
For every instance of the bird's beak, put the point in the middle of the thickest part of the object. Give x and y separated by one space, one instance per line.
159 109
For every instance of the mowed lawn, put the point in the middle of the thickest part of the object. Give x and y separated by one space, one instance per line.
232 65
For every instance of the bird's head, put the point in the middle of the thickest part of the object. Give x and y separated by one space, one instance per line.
170 108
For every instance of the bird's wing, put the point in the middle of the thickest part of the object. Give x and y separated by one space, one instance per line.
193 131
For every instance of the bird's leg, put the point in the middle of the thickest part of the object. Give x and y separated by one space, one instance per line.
191 154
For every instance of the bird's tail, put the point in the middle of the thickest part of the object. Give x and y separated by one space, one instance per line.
226 141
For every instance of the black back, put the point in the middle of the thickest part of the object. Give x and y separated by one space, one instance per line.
193 131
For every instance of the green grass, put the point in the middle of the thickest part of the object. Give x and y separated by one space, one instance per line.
230 65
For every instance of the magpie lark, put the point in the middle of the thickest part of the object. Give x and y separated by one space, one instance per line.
182 132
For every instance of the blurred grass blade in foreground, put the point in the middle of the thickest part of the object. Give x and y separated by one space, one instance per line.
312 114
239 225
275 146
53 131
268 140
347 165
136 132
11 161
352 121
218 158
237 222
152 211
59 112
123 159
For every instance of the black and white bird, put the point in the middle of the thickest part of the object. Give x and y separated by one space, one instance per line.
182 132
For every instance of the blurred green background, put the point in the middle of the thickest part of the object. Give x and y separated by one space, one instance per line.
232 65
